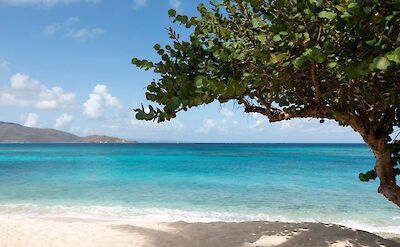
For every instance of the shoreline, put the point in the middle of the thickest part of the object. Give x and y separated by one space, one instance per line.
123 213
19 231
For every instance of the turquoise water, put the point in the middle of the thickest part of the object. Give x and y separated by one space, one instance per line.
195 182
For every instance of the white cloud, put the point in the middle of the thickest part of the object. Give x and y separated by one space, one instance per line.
176 4
66 25
226 124
93 107
63 120
227 113
70 30
30 120
23 82
84 33
291 124
98 100
108 98
50 29
163 126
295 127
139 3
23 91
207 126
4 64
43 2
260 123
125 125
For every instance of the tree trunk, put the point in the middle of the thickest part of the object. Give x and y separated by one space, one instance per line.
385 170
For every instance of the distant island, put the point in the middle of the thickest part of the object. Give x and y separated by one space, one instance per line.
16 133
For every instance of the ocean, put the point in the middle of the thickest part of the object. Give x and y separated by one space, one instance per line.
195 182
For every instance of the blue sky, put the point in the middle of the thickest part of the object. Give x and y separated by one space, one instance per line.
65 64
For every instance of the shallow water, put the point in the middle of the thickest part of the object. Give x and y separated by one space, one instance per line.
196 182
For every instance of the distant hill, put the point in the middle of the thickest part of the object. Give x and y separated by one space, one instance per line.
16 133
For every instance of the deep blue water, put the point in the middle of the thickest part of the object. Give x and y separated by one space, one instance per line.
293 182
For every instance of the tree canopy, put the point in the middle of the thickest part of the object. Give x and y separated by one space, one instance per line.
285 59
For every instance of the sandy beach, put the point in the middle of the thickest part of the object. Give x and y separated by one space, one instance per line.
22 231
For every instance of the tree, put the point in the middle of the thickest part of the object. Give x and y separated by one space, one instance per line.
285 59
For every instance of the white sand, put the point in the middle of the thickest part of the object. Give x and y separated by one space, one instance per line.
344 243
23 231
269 241
18 231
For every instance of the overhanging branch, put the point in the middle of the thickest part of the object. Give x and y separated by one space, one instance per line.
276 115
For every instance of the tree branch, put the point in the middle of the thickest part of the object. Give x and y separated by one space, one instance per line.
315 83
276 115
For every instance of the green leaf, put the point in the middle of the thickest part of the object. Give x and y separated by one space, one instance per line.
317 3
389 17
366 177
165 57
299 62
394 55
353 6
172 13
142 115
262 38
315 54
157 47
198 81
301 28
332 64
134 60
306 37
224 32
367 10
346 15
182 18
319 57
276 58
340 8
201 8
327 15
277 38
382 63
371 42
